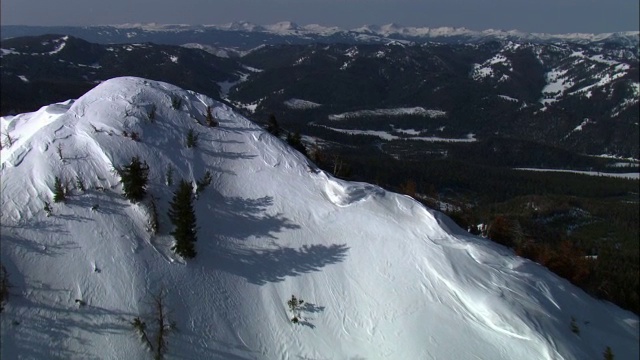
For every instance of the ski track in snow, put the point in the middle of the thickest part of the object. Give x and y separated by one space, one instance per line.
382 276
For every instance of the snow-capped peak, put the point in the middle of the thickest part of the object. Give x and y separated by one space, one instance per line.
381 275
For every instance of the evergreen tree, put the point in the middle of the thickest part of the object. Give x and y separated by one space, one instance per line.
295 141
58 191
273 126
608 353
192 139
204 182
134 179
183 217
211 121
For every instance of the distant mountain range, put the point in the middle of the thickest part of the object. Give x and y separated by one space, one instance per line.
244 35
579 97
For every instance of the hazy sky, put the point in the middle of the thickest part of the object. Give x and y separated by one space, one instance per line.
552 16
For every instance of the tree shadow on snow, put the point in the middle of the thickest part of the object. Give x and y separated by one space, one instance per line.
45 326
242 218
312 308
49 249
260 266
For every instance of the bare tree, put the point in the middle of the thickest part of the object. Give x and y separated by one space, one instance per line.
159 322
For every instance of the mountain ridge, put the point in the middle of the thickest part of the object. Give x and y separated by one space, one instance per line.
383 275
287 31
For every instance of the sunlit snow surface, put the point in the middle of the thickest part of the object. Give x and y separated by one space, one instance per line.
383 276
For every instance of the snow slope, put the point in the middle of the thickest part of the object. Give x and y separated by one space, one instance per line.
383 276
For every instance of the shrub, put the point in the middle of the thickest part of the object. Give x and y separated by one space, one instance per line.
153 222
47 208
204 182
294 306
574 326
8 140
151 115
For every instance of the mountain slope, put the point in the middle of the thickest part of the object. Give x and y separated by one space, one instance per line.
383 276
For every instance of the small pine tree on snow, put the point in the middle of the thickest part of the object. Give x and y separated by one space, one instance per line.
154 225
272 126
58 191
176 102
47 208
574 326
192 139
134 179
608 353
211 121
183 218
79 183
204 182
294 306
151 115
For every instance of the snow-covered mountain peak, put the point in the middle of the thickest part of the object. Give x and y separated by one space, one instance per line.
285 26
381 275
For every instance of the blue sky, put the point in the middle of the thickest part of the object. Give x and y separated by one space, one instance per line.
552 16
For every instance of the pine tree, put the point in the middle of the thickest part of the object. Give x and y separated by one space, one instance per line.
273 126
58 191
204 182
192 139
295 141
211 121
80 183
135 177
183 217
608 353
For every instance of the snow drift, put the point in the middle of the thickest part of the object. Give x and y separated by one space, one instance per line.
382 276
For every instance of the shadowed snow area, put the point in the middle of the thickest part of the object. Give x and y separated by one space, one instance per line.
382 276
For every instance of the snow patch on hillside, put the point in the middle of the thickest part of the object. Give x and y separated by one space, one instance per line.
420 111
487 68
388 136
300 104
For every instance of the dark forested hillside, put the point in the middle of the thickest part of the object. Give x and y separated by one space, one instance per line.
37 71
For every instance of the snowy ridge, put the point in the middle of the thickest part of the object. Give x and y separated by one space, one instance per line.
382 276
289 28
